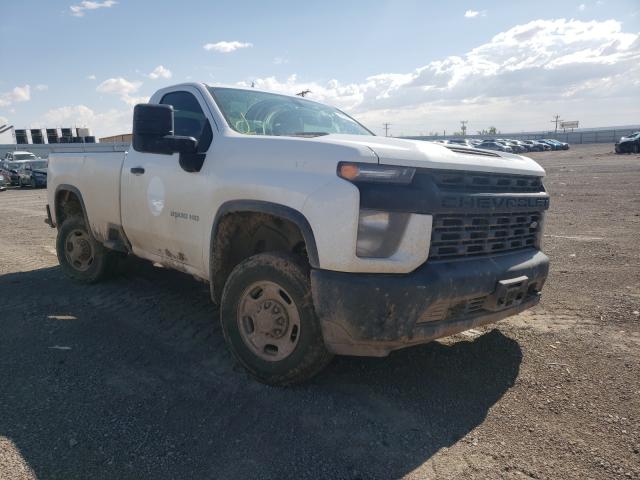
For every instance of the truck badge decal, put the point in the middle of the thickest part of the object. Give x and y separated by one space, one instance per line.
185 216
155 196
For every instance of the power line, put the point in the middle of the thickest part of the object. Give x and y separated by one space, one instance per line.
386 129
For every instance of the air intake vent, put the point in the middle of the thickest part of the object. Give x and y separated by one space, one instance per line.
478 182
472 151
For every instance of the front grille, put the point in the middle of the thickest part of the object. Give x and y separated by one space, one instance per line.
463 235
477 182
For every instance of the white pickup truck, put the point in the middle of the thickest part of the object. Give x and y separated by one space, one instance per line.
316 237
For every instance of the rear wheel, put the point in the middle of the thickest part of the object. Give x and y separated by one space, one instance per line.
81 256
269 322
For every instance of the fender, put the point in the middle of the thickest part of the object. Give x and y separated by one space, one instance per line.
76 192
275 209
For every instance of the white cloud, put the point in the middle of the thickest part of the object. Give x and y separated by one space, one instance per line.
18 94
91 77
475 13
280 61
42 87
160 72
122 87
118 86
227 47
582 7
517 76
110 122
79 10
129 100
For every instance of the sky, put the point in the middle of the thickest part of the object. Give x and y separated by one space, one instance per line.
422 66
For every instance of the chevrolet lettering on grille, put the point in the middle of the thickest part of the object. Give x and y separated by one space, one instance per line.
495 202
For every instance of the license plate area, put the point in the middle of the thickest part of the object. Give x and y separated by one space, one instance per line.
508 293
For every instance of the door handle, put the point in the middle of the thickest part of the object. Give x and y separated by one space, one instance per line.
137 170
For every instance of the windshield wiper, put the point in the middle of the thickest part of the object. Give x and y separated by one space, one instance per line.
308 134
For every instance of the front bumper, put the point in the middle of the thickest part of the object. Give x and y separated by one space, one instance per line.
373 314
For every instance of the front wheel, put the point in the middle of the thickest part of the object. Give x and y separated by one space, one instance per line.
81 256
33 183
269 322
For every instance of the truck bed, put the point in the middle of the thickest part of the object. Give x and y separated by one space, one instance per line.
96 173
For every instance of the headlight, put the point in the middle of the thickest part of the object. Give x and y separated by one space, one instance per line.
366 172
380 233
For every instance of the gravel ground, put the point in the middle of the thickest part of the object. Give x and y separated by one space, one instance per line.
131 378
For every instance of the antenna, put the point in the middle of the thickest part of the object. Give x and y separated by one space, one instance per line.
386 129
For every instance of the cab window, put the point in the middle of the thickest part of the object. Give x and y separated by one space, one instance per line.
189 119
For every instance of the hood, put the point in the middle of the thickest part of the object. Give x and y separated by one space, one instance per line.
422 154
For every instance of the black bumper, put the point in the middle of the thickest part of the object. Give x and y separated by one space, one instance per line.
373 314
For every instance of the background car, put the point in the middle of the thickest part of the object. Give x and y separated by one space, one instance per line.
517 146
3 182
494 145
557 144
535 146
461 141
33 173
553 145
18 155
11 168
545 146
630 144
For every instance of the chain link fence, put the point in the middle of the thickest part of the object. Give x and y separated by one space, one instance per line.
588 136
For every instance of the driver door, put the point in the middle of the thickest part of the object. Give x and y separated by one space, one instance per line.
161 211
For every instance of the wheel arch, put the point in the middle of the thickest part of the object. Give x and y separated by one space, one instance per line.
276 210
62 195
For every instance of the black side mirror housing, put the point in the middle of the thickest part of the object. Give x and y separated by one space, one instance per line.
153 131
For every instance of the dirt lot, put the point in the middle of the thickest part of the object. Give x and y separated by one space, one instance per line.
131 379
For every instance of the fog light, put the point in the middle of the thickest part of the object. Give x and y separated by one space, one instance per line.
380 233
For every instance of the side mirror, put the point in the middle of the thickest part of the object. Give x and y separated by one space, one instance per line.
153 131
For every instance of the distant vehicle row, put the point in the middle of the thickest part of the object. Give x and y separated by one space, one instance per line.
23 169
509 145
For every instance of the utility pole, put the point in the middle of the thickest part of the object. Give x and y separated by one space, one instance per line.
555 120
463 127
386 129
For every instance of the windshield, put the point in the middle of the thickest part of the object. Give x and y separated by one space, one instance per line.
38 164
260 113
12 165
24 156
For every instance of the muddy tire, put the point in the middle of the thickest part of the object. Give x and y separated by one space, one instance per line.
269 322
82 258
